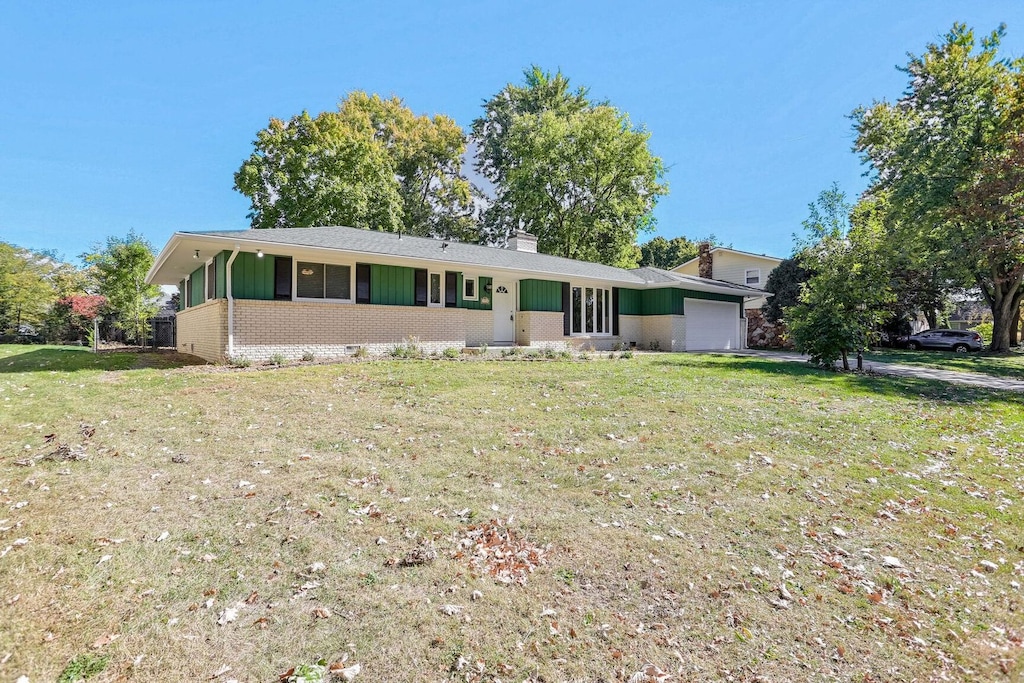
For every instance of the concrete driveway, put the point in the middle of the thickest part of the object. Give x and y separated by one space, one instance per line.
953 376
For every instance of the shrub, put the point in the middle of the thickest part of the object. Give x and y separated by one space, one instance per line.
362 352
626 354
308 357
276 359
985 330
450 352
239 362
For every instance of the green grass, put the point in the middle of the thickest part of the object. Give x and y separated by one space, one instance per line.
671 498
997 365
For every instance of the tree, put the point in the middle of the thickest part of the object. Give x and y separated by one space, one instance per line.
784 285
667 254
370 164
71 317
576 174
120 268
26 286
947 156
844 300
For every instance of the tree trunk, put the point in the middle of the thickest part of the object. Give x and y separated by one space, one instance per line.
1005 307
1015 329
846 361
932 316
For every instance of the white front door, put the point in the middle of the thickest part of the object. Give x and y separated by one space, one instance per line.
504 306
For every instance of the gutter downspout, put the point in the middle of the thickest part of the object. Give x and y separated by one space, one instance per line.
231 303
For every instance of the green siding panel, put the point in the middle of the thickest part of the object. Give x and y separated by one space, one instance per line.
630 302
392 285
667 300
198 286
661 301
222 259
540 295
481 293
252 277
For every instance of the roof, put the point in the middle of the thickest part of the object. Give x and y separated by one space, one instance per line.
695 259
176 260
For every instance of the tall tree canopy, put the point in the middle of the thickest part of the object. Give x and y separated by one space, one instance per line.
947 156
667 254
120 267
575 173
847 293
27 286
371 164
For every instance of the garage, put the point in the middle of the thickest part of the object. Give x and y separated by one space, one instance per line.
711 325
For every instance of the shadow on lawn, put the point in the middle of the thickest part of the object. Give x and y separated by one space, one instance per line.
866 383
74 359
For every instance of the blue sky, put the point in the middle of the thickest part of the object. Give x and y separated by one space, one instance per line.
116 116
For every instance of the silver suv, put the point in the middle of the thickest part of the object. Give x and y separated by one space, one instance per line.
960 341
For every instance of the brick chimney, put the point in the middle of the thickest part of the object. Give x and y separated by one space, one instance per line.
704 261
523 241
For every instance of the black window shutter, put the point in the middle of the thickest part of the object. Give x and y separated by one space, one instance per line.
283 277
451 289
615 311
566 309
362 283
421 287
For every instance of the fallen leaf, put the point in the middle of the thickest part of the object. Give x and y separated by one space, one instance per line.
227 616
103 641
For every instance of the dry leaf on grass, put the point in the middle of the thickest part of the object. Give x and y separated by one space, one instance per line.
496 550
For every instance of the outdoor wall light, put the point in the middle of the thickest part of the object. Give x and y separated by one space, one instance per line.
196 255
487 287
259 253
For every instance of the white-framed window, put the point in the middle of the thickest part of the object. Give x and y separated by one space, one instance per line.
435 290
211 279
323 281
753 276
469 288
591 310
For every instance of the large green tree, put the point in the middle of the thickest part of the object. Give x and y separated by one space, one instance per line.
26 286
669 253
120 267
947 156
371 164
845 298
575 173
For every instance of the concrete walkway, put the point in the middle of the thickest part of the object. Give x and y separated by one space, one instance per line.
973 379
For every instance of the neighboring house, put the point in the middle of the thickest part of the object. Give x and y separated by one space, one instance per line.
744 268
328 291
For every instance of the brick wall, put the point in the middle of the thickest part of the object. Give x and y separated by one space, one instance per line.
631 329
479 327
327 330
669 331
539 328
202 330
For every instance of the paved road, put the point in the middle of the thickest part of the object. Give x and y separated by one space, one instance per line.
956 377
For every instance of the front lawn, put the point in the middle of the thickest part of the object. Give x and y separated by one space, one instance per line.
998 365
716 518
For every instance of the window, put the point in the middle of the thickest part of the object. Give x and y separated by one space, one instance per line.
362 283
434 290
323 281
591 310
753 276
211 279
420 288
469 288
451 293
283 278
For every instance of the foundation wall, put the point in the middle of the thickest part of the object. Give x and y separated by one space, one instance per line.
202 330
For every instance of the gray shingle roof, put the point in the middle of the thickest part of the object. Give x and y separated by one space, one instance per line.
374 243
389 244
